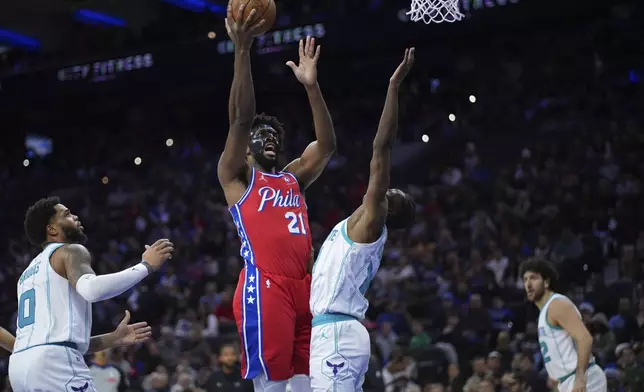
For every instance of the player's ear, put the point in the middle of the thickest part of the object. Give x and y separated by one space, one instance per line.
51 230
546 283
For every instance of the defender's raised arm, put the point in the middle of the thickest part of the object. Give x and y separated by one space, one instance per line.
374 199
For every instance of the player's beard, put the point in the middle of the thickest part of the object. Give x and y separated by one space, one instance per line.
538 294
74 235
267 164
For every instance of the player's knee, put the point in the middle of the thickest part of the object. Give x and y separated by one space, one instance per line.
261 384
300 383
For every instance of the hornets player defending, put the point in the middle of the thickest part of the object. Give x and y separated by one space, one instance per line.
55 296
349 259
267 205
565 342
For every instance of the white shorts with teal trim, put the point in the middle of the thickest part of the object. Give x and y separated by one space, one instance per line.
340 352
595 381
49 368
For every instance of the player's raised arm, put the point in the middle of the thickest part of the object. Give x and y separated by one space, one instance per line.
75 261
562 313
241 103
374 201
315 157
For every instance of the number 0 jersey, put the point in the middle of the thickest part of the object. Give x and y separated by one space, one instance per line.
49 309
557 347
273 225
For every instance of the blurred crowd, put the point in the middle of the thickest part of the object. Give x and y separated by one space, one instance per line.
542 157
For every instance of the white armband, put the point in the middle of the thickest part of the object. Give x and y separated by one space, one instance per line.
99 288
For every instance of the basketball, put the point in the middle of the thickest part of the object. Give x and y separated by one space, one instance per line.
265 10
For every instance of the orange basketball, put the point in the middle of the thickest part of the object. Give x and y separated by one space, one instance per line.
265 10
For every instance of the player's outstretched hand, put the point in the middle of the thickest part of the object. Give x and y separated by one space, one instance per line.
307 69
130 334
240 30
158 253
403 69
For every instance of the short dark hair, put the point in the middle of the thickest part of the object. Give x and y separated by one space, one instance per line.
273 122
401 210
228 345
37 218
542 267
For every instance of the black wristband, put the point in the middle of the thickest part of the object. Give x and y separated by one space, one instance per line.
148 266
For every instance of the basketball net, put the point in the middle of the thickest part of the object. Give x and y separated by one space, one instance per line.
436 11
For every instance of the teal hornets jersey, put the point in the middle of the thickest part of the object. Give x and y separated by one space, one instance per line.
557 347
342 273
49 309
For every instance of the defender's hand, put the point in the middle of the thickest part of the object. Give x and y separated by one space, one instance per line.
158 253
403 69
131 334
307 69
241 32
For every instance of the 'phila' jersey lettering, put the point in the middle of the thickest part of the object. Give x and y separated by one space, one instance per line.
49 309
557 347
342 273
273 225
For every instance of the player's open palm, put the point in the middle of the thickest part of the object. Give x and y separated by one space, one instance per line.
129 334
241 31
307 69
158 253
403 69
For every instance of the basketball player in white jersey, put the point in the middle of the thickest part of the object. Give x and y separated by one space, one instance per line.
349 259
55 296
566 344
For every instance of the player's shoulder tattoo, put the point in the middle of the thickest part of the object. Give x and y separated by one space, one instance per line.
76 253
77 261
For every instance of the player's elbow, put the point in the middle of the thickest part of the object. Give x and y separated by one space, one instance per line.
328 147
85 288
584 339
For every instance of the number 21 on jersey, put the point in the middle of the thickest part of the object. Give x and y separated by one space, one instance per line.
296 223
26 308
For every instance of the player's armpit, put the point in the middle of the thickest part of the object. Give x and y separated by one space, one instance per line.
311 164
77 261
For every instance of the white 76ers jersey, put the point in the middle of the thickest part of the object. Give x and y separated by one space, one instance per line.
557 347
342 273
49 309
